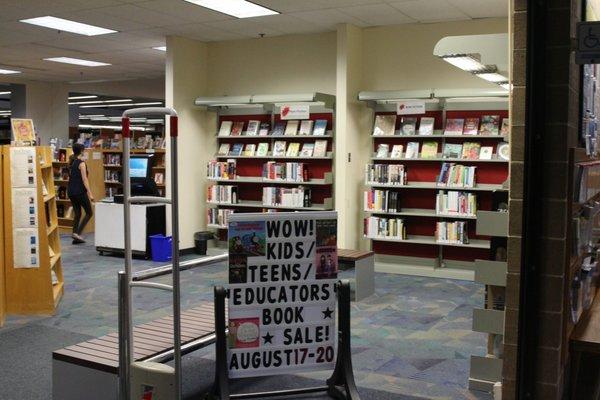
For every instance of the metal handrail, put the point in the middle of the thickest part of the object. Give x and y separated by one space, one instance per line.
183 266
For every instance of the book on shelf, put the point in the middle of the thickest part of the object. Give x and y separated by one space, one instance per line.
307 150
454 126
159 178
320 127
262 150
429 149
112 175
490 125
218 216
264 129
286 197
377 200
382 151
505 128
408 126
452 150
250 149
471 150
226 194
289 171
224 149
426 126
237 129
112 159
486 153
221 169
291 129
279 148
385 125
397 151
503 151
456 202
384 228
451 232
278 129
225 129
412 150
389 174
252 129
320 149
236 149
471 126
306 127
293 149
455 175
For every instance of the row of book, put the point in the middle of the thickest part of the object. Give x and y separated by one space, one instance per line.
61 173
280 149
226 194
456 175
451 232
112 175
465 151
391 174
385 125
454 202
382 201
221 169
112 159
286 197
305 127
111 191
289 171
218 216
382 227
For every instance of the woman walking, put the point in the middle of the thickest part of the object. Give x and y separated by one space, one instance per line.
79 192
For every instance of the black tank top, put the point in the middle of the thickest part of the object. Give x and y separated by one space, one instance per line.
76 186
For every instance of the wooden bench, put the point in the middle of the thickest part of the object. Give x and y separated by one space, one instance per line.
585 340
90 370
363 263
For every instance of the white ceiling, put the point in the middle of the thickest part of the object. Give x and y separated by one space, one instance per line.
143 24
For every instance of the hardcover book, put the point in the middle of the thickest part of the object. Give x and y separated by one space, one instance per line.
505 127
262 149
225 129
306 127
471 150
278 129
454 126
486 153
382 151
412 150
293 149
223 149
264 129
385 125
452 150
429 150
471 126
250 149
397 151
320 149
253 126
279 148
238 128
307 150
426 126
320 127
236 150
408 126
291 128
489 125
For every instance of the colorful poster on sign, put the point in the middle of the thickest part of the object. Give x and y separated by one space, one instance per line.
22 130
294 111
410 107
282 300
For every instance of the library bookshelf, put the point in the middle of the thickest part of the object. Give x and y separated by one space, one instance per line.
34 290
419 253
248 178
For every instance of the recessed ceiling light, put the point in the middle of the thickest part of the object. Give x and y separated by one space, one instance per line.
100 102
76 61
154 103
492 77
8 71
466 62
235 8
68 26
160 48
3 93
91 96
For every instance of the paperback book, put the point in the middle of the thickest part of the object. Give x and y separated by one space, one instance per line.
307 150
237 149
320 127
253 126
293 149
306 127
237 129
291 128
397 151
384 125
471 126
505 127
412 150
262 150
279 148
264 129
250 149
489 125
320 149
454 126
471 150
278 129
408 126
486 153
452 150
429 150
426 126
225 129
223 149
382 151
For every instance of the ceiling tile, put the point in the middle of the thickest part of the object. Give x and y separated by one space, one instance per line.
286 6
289 24
247 27
482 9
136 14
328 18
378 14
204 33
430 10
184 11
99 18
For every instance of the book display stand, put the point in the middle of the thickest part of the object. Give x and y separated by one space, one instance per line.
253 123
34 284
416 201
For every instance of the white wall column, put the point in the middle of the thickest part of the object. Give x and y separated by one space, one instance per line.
47 104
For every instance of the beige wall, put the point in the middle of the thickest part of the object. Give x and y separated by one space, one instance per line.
46 104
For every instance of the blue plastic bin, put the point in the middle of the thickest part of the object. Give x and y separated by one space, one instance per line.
161 247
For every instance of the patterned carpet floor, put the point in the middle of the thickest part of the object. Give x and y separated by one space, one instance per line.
411 338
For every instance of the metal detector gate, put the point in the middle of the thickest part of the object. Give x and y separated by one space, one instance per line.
126 283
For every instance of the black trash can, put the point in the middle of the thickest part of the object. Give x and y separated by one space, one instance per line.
200 241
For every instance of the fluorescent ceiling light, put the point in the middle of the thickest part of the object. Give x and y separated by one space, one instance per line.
91 96
235 8
99 102
76 61
492 77
68 26
3 93
113 127
8 71
155 103
160 48
466 62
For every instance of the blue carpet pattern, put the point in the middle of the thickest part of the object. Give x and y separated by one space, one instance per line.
411 339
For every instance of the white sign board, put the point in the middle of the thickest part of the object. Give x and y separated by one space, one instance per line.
294 111
282 300
588 43
410 107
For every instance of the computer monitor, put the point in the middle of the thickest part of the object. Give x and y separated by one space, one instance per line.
139 167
